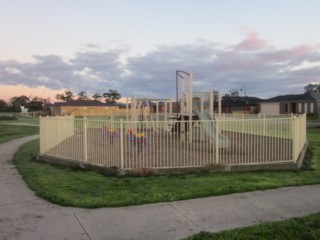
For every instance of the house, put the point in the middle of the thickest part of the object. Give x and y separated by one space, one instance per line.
295 103
84 108
237 104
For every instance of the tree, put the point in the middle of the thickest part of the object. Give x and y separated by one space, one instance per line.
18 102
97 96
233 93
83 95
37 104
67 96
3 105
111 96
312 87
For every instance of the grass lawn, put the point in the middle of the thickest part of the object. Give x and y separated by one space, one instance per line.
70 187
9 132
19 118
34 121
295 228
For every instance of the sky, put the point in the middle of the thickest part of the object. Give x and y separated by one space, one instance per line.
265 48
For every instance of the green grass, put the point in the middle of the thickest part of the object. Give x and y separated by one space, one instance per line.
307 228
10 132
270 127
8 118
34 121
17 118
79 188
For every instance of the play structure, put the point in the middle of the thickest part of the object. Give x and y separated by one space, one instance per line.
181 118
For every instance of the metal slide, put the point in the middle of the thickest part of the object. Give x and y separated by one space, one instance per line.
210 129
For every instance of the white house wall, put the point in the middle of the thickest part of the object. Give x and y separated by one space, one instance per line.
270 108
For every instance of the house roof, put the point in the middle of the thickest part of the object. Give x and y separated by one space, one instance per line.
315 96
240 101
295 97
85 103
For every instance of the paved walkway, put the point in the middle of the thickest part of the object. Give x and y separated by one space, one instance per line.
25 216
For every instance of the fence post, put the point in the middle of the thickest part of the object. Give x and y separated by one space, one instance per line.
121 147
293 118
217 141
41 134
242 121
85 139
264 125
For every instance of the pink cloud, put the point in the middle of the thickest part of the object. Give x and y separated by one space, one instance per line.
9 91
251 43
287 54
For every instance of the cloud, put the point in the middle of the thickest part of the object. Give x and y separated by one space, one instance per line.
8 91
251 43
265 70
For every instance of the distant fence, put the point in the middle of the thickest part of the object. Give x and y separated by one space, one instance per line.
174 144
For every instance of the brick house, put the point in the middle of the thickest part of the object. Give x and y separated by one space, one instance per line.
308 103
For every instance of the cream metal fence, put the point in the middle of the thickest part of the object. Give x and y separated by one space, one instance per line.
174 144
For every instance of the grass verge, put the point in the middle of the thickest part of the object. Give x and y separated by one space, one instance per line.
295 228
10 132
69 187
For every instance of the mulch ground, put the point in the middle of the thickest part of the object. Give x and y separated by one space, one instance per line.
168 150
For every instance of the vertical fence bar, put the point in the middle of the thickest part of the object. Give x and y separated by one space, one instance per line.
219 104
293 118
121 146
85 139
211 103
217 141
41 134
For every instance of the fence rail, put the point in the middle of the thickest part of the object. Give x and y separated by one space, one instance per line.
174 144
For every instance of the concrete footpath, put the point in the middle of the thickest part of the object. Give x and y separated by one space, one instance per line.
25 216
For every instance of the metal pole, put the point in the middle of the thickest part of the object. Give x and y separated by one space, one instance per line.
177 94
177 87
219 104
190 107
211 103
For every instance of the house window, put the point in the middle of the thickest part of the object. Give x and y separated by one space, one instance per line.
311 108
306 107
299 107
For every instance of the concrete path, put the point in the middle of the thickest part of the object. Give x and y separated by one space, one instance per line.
25 216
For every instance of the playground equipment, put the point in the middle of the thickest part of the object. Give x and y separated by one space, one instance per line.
211 131
197 106
138 139
179 117
198 136
110 133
